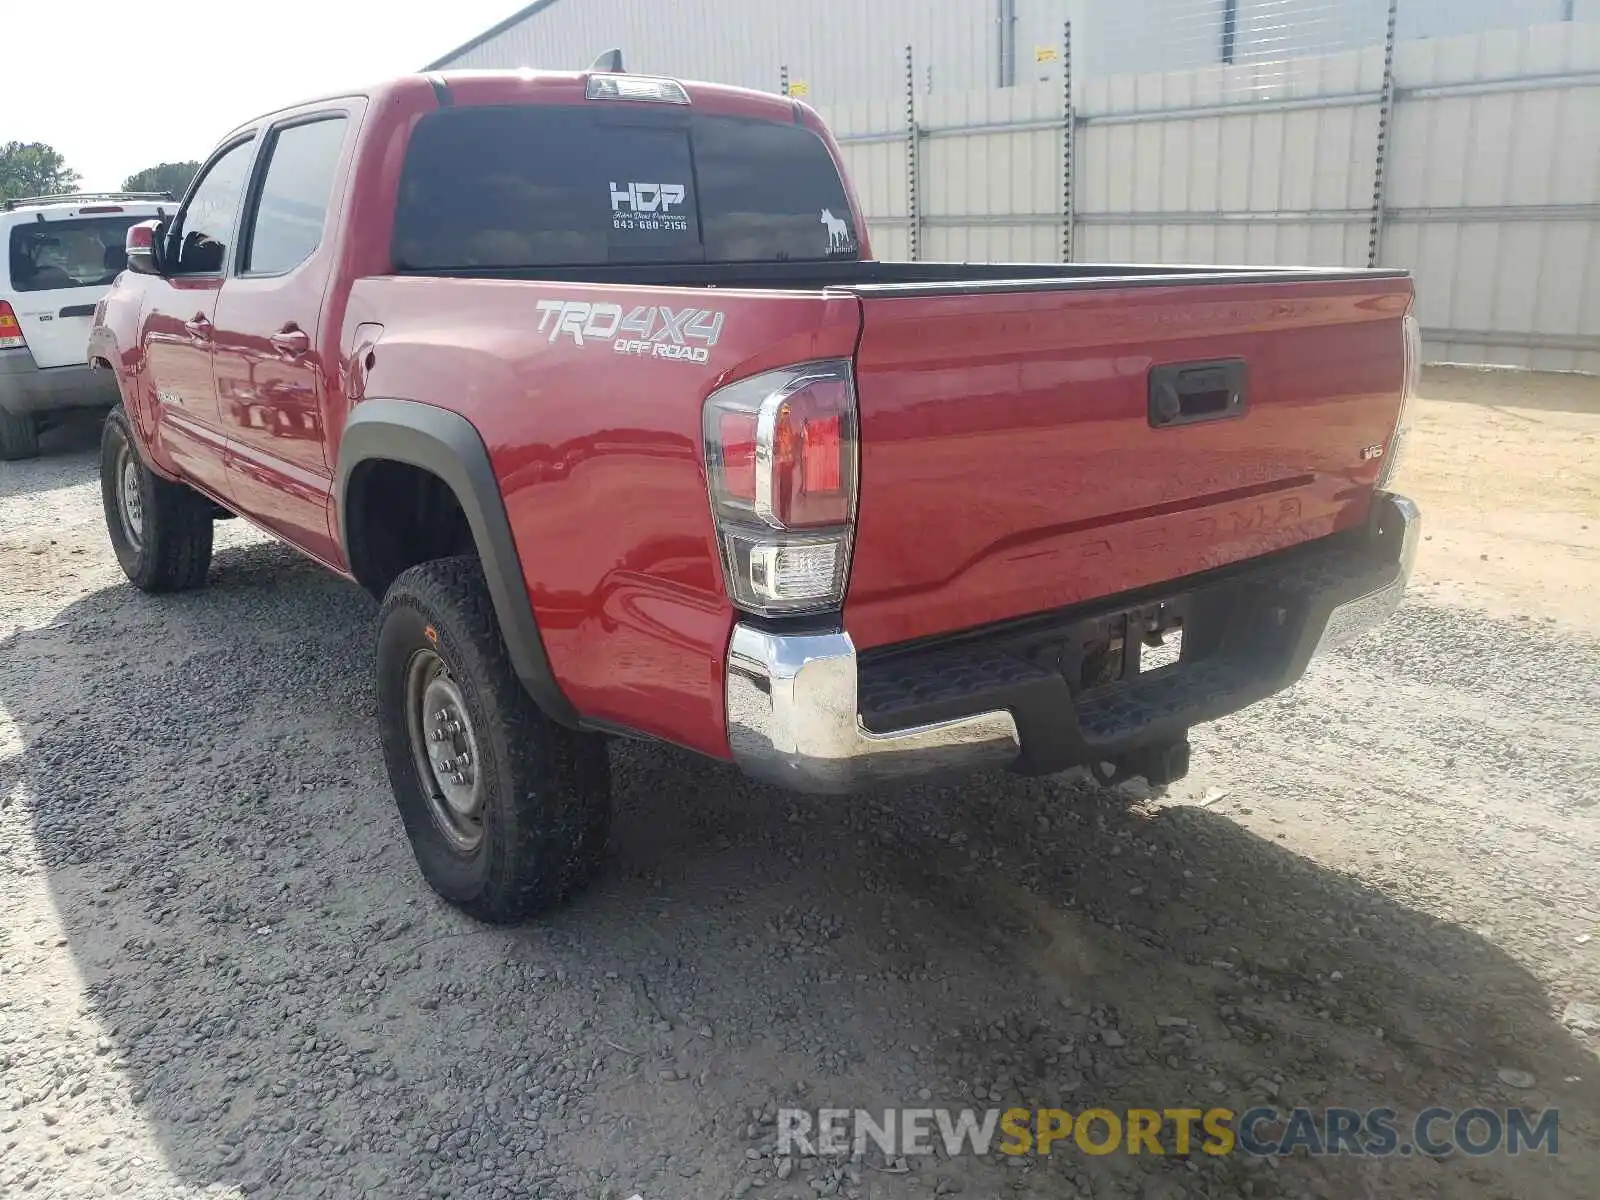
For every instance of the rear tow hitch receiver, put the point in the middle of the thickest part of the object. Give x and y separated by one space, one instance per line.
1159 765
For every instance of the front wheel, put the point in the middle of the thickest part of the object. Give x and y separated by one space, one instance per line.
507 811
161 531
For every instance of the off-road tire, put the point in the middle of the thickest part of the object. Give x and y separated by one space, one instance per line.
546 789
172 551
19 436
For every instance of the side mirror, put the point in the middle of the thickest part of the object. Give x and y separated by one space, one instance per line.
143 247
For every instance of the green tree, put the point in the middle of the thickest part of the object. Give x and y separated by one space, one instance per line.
34 169
167 177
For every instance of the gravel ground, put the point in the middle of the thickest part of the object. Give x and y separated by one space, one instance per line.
221 973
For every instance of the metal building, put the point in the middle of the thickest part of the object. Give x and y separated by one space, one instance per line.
833 49
843 50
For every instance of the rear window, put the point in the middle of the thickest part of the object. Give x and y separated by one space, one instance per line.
533 186
49 256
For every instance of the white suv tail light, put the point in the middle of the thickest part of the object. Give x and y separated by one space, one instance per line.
781 464
10 331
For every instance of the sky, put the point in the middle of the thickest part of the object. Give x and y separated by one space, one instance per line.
118 86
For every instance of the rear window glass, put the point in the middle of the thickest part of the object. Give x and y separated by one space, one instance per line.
510 187
47 256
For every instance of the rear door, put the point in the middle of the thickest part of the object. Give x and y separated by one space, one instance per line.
177 329
61 262
275 370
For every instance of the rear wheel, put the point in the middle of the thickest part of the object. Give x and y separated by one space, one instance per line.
19 436
507 811
160 531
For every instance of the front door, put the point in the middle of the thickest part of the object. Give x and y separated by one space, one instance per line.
177 328
275 370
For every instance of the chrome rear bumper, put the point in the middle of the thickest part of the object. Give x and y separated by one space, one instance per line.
793 720
794 700
1399 520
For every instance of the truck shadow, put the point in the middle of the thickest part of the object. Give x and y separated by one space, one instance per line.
292 1011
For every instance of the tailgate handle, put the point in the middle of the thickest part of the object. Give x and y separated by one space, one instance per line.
1188 393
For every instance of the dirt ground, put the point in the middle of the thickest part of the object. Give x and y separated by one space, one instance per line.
220 972
1504 463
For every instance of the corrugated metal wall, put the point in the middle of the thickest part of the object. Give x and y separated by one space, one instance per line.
1492 179
1144 36
1495 194
1492 172
848 50
1174 169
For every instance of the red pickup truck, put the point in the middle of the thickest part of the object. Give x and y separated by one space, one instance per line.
591 378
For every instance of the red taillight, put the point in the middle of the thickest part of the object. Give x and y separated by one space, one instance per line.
808 451
824 457
781 465
737 432
10 330
99 208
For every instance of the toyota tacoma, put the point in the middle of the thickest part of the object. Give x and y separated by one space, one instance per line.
592 380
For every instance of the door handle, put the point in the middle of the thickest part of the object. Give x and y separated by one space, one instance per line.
1188 393
291 341
199 327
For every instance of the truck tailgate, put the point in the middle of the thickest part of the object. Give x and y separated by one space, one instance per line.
1031 448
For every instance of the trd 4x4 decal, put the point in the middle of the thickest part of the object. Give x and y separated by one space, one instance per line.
648 331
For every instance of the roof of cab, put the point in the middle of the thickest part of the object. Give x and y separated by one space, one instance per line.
469 86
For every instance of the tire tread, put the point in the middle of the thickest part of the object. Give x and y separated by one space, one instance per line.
559 777
19 436
178 532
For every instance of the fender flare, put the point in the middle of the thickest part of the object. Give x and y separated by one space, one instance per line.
102 344
446 444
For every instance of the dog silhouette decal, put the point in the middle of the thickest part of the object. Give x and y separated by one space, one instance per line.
838 231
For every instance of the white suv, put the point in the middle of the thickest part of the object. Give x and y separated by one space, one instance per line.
58 254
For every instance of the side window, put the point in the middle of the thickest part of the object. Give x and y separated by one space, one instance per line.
293 204
206 223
